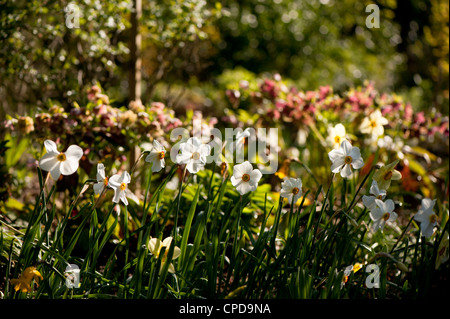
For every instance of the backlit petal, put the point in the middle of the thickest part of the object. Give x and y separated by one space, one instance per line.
74 152
69 166
55 172
51 147
48 162
346 171
336 154
255 175
337 165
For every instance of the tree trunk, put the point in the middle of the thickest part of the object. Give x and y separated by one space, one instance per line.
134 82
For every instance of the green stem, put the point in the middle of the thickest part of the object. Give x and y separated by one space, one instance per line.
180 191
352 203
237 228
127 243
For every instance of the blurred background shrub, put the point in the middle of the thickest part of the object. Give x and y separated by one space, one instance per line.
187 45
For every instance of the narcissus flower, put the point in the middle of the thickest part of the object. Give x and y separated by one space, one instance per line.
344 158
72 274
245 178
384 175
193 154
336 135
373 124
58 163
156 156
383 212
119 183
442 253
348 270
291 189
102 180
369 201
23 283
427 218
241 136
155 245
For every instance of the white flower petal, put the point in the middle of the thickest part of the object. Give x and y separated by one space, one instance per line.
183 158
194 167
69 166
246 167
55 172
346 171
346 147
389 206
101 172
354 153
244 188
337 165
176 252
123 198
51 147
428 204
152 156
339 130
421 217
154 245
117 195
114 181
171 269
238 171
129 194
157 147
126 178
377 224
235 181
167 241
205 150
286 193
392 216
48 162
255 176
358 163
369 202
376 214
74 152
336 154
158 165
98 188
427 229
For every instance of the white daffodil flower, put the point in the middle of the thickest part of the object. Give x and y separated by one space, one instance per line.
336 135
443 251
245 178
373 124
58 163
119 183
344 158
291 189
383 212
426 217
241 136
369 201
385 174
72 274
155 245
156 156
102 180
193 154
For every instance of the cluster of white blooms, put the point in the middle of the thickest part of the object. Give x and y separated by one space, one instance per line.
344 157
193 154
